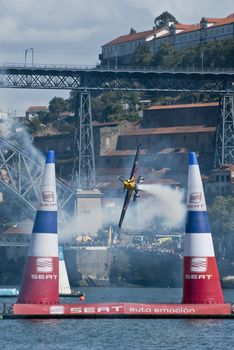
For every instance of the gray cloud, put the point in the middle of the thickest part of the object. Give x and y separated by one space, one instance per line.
72 31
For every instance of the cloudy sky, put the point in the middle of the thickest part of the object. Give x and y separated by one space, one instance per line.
73 31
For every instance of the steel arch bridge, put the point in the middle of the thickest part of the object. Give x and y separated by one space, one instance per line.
116 79
64 77
21 177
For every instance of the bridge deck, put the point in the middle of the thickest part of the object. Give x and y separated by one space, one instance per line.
115 78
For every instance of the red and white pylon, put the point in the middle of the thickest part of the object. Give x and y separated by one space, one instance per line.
201 282
41 277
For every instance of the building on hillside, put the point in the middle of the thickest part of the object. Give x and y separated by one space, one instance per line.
119 158
120 50
105 138
50 138
221 182
35 111
160 116
113 173
199 138
166 135
66 114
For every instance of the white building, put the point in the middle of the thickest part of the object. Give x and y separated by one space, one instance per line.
35 111
124 46
221 182
120 50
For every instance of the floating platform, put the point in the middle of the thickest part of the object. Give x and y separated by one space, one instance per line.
14 292
39 292
120 310
72 295
9 292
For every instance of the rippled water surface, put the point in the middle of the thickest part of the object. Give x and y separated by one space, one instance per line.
120 333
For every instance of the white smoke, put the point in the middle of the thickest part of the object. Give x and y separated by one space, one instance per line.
164 203
17 136
25 142
160 205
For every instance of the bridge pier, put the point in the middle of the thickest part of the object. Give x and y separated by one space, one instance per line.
85 177
224 149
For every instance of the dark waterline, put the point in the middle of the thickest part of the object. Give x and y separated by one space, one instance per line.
116 334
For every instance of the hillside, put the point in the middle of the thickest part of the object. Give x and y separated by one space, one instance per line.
218 54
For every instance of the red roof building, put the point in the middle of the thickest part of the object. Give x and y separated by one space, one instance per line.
181 115
166 134
121 49
35 111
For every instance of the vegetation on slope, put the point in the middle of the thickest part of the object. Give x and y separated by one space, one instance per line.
217 54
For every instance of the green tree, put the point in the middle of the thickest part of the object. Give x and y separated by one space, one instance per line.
142 56
73 101
34 125
164 19
125 115
97 109
109 106
164 57
58 105
218 54
221 215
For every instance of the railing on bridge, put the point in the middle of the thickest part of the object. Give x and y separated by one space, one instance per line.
53 76
121 68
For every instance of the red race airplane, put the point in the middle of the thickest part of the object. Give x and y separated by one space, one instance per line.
131 185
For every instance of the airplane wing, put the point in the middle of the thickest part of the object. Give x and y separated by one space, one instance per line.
125 206
135 163
130 192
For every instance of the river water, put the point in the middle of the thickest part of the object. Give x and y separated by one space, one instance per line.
113 334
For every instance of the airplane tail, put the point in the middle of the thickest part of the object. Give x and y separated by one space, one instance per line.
136 195
140 180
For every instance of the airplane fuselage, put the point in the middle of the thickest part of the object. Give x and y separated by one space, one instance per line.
130 184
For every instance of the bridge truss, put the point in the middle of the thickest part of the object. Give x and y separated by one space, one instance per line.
119 79
224 152
21 177
14 162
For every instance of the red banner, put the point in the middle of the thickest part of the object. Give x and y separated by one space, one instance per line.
122 309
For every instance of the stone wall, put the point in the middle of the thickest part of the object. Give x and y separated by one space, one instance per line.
88 265
108 138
